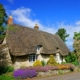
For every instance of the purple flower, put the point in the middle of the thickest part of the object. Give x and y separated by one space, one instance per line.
25 73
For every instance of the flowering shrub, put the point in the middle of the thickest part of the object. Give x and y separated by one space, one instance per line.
43 68
71 67
37 63
66 66
30 72
52 61
62 66
24 73
47 68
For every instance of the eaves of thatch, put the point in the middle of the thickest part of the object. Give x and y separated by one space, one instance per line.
23 41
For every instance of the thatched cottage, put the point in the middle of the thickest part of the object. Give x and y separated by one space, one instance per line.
25 45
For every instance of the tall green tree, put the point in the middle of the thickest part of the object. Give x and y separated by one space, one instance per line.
76 36
3 21
3 15
62 33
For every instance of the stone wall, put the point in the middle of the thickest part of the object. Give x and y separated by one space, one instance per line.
54 72
5 53
6 58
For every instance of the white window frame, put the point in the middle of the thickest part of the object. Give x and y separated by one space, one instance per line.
32 57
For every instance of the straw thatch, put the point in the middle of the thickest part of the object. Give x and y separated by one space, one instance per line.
2 46
23 40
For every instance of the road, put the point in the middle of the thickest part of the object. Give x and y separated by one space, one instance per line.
69 76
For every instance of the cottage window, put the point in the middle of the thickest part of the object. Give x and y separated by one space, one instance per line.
32 57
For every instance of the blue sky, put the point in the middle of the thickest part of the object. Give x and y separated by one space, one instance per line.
49 14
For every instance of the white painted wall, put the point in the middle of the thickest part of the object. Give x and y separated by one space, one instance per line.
40 57
58 58
20 63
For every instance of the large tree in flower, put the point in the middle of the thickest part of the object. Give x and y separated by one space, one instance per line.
3 21
62 33
76 44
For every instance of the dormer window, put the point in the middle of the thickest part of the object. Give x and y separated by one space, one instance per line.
38 47
57 48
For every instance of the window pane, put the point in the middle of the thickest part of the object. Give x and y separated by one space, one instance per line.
32 58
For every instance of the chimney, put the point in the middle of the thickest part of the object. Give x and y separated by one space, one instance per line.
36 27
10 20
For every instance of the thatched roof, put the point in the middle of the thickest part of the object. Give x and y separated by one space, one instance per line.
2 46
23 40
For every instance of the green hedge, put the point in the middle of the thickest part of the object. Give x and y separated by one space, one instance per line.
5 77
5 69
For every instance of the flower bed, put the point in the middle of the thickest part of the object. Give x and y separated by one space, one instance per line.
24 73
31 72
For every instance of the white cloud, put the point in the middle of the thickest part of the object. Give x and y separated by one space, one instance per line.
78 23
23 16
11 1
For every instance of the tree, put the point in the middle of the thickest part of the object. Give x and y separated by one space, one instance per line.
76 44
3 15
76 36
62 33
3 20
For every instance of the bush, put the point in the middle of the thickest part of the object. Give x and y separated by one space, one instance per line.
52 61
72 58
37 63
43 63
5 77
63 66
4 69
10 69
66 66
24 73
45 68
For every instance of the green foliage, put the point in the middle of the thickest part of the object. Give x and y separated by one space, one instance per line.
5 69
2 36
1 32
37 63
3 19
1 28
6 77
10 69
43 63
76 36
52 61
62 33
72 58
3 15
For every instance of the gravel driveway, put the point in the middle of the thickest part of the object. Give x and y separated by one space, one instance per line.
69 76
